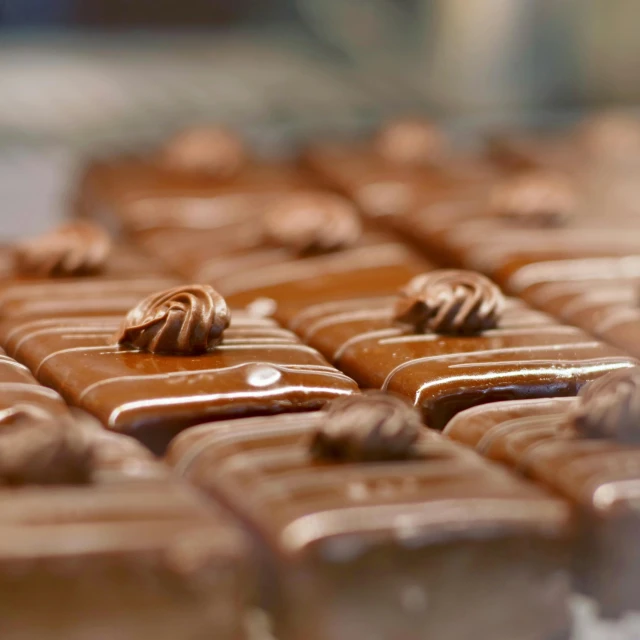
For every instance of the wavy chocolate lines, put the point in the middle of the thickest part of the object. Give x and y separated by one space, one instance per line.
616 317
325 308
345 318
358 259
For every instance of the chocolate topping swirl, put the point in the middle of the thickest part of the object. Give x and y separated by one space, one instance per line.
213 150
534 199
312 222
367 428
74 249
411 142
37 449
185 320
449 301
610 407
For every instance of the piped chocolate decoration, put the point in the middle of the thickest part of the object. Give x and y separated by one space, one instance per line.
450 301
610 407
185 320
535 199
411 142
312 222
213 151
39 450
367 428
73 249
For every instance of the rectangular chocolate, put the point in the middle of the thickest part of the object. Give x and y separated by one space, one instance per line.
528 355
386 549
599 477
259 368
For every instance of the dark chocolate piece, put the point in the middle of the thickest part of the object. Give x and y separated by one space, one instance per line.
383 549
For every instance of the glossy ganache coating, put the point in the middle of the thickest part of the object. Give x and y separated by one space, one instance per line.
609 407
207 150
74 249
450 301
535 199
181 321
36 449
372 427
312 222
412 142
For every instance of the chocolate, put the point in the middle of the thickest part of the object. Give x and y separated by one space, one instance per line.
534 199
312 222
380 549
597 477
610 407
528 355
449 301
41 451
185 320
74 249
373 427
212 151
257 368
411 142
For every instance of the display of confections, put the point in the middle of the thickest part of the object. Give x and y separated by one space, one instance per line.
372 526
585 449
97 535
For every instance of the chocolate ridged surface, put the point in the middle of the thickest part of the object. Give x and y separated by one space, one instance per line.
599 477
185 320
450 301
74 249
527 356
390 523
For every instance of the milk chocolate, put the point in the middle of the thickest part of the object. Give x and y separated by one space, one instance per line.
257 368
387 549
598 476
528 355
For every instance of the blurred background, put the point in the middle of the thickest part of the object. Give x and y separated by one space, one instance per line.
93 76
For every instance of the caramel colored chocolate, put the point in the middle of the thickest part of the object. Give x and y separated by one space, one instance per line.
526 356
598 477
386 549
258 368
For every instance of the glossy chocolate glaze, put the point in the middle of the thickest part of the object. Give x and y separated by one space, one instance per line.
392 523
527 356
601 478
258 368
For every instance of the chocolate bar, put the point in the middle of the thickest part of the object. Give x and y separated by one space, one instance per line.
207 171
305 248
103 549
585 449
374 527
175 360
449 341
